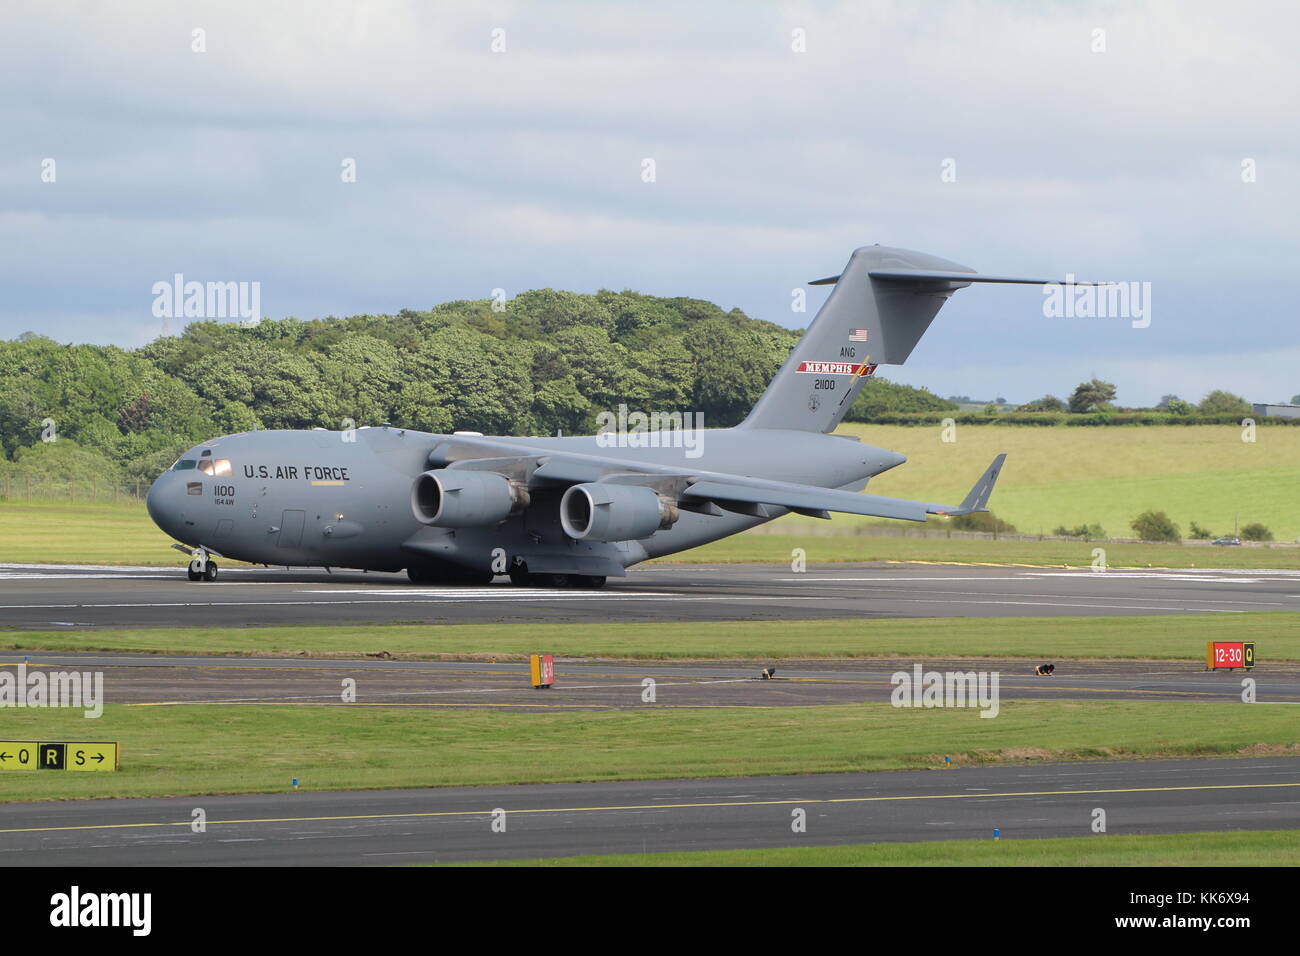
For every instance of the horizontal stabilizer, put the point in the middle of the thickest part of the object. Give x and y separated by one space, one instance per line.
932 275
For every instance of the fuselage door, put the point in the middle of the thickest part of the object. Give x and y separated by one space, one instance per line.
291 523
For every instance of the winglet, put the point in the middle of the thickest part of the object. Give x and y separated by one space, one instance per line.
977 498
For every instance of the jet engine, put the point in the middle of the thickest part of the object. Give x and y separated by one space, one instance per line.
455 498
608 512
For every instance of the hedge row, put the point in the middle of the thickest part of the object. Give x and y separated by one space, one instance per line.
1065 418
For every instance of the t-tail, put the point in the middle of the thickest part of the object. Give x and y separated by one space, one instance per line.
880 307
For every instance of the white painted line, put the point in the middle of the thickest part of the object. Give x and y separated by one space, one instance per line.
121 568
901 578
1182 574
997 594
1127 607
538 598
13 576
502 592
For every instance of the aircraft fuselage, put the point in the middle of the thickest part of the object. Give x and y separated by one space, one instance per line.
343 499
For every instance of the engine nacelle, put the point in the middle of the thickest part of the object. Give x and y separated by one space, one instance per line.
606 512
453 498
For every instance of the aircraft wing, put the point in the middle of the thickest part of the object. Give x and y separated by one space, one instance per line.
811 500
706 492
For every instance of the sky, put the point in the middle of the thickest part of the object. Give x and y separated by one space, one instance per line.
504 146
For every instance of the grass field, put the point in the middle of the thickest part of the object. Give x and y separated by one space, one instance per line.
82 532
205 748
1171 637
1075 476
1242 848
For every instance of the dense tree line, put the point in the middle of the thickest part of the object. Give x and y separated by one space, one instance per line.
1096 396
548 361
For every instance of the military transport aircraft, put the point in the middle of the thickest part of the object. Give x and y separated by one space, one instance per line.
570 511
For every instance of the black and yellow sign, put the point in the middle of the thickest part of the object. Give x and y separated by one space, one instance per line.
58 755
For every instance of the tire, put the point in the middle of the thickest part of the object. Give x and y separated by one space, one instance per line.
210 572
193 575
592 581
520 577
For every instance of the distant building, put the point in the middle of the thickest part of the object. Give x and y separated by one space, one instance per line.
1276 411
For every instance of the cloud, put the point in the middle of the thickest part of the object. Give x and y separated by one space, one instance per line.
479 170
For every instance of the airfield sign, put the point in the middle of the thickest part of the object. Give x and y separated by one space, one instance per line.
1229 655
58 755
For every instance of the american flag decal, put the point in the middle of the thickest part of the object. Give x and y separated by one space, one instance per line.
858 335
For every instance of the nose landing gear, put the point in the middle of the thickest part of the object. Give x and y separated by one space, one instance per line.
202 567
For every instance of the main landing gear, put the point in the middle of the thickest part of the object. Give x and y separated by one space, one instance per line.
521 577
202 567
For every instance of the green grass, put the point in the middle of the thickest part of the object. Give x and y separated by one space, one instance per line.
82 532
241 748
1241 848
1171 637
1075 476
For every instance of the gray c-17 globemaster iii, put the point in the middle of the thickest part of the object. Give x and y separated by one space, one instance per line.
570 511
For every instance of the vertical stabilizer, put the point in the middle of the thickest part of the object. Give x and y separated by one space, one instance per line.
867 321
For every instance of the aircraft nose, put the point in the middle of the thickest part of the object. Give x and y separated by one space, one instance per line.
154 501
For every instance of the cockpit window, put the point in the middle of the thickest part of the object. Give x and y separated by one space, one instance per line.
185 464
216 467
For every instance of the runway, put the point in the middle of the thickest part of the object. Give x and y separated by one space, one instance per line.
148 680
388 827
45 597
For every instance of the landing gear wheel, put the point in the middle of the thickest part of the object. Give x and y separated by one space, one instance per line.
210 572
520 577
592 581
194 575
